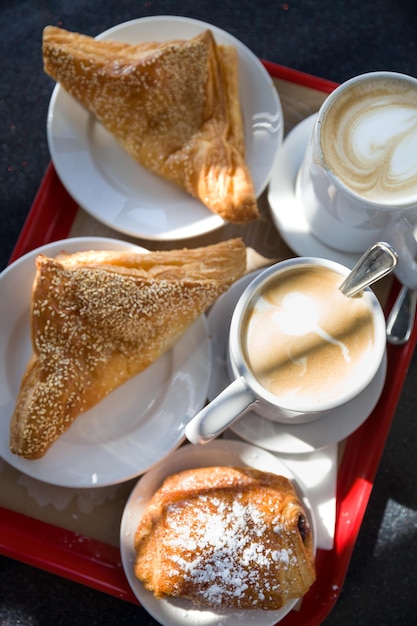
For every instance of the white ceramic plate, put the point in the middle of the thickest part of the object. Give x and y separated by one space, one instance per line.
108 184
128 432
287 212
171 612
330 428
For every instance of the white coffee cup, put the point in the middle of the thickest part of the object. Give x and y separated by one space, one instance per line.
357 183
297 347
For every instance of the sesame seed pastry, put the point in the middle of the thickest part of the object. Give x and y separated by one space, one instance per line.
98 318
173 106
226 537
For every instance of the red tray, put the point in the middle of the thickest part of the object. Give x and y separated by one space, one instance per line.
97 564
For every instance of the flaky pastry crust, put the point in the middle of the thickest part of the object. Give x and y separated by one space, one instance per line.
98 318
226 537
173 106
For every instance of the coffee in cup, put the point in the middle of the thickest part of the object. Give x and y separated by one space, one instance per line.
305 341
368 139
357 183
298 347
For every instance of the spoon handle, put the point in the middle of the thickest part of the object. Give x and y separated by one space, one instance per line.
401 318
378 261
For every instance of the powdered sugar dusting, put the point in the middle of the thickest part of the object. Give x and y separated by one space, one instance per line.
226 537
236 556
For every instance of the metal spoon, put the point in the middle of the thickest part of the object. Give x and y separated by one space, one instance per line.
378 261
400 321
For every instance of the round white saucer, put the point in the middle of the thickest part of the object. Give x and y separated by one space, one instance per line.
121 436
287 213
113 188
330 428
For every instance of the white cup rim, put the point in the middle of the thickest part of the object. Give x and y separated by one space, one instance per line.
238 359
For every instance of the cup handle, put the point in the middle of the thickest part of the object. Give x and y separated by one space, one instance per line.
220 413
400 235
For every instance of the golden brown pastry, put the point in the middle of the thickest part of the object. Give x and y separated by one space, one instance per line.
226 537
99 318
173 106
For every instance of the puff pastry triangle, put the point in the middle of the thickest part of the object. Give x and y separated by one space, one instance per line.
100 318
173 106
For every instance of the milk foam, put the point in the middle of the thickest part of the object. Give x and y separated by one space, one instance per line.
369 139
292 320
306 341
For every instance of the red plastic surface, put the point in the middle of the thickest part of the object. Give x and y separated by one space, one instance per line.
50 218
98 565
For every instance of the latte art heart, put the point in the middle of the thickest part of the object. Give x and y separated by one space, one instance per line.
369 136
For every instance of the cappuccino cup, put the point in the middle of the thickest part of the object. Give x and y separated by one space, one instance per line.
357 183
297 347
